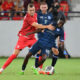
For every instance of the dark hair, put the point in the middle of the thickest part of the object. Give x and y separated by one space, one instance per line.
30 5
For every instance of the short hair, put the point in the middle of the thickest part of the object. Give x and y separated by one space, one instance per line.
43 3
30 5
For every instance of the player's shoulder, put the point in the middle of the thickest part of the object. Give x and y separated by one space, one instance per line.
25 17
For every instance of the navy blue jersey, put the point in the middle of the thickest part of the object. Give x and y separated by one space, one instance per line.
46 42
49 37
44 19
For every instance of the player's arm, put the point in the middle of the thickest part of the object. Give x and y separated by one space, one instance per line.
50 27
36 31
61 39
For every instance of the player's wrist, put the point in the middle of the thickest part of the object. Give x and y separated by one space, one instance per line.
46 26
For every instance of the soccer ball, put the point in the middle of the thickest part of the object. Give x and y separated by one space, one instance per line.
49 70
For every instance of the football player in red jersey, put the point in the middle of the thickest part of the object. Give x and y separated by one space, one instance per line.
29 25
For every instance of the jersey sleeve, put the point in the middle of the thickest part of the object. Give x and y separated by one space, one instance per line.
62 36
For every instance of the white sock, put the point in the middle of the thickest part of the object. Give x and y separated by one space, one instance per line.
1 70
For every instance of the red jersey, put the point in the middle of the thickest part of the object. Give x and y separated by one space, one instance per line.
27 25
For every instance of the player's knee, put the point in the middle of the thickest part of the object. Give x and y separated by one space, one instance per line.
55 51
28 55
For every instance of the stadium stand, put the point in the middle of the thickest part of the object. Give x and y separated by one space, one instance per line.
12 9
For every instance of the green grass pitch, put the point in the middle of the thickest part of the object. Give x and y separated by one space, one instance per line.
65 69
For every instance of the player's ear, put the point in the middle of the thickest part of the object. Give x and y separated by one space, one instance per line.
40 7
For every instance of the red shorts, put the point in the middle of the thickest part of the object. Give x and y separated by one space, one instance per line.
25 42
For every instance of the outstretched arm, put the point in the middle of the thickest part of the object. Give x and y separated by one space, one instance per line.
40 26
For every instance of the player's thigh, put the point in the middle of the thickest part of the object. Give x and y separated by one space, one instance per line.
32 42
55 51
21 43
35 48
45 52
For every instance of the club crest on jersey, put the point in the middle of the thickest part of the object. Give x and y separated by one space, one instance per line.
58 29
49 17
41 17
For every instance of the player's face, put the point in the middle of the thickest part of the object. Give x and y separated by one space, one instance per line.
44 8
31 11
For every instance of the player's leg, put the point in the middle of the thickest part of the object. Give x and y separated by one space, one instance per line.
39 64
55 56
19 46
10 59
38 58
26 61
44 53
44 56
34 49
50 69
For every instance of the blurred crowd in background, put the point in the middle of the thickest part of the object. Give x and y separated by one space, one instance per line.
17 8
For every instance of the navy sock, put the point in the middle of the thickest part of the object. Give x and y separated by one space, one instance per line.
54 60
23 67
36 60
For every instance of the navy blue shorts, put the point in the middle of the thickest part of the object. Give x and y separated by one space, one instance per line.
38 46
54 46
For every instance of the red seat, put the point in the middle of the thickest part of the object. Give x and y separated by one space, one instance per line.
17 18
4 18
64 7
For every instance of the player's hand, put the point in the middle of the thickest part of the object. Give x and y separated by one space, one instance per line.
42 30
50 27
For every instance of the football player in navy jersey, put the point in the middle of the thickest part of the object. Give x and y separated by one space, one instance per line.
46 39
